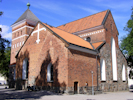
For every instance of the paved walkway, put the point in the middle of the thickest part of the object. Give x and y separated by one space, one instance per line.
46 95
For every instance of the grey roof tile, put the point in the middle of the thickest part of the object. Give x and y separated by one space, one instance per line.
28 15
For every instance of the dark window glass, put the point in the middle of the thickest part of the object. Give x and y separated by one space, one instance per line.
52 73
88 39
27 68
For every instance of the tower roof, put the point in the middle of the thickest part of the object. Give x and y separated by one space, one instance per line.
28 15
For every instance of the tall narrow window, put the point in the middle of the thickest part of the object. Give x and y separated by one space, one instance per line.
50 73
114 64
103 71
14 35
14 73
21 32
22 42
25 69
123 73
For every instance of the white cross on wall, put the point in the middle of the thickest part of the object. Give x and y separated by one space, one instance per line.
38 40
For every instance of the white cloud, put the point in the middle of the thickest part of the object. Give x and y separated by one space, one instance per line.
92 11
5 32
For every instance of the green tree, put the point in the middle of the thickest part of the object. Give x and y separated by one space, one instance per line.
0 15
127 43
4 56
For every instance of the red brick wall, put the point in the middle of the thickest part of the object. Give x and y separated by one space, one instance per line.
111 30
80 67
50 49
17 34
96 36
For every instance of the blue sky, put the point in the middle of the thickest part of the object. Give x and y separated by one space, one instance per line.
58 12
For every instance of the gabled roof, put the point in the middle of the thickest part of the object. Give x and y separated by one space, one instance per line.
85 23
70 38
27 15
98 44
66 37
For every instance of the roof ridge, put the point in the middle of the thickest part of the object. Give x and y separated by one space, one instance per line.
83 17
60 29
67 33
105 17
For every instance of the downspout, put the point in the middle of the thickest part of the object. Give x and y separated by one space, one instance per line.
97 70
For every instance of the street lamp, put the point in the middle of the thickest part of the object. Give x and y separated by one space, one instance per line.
92 83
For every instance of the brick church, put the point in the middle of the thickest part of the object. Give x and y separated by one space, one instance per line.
70 58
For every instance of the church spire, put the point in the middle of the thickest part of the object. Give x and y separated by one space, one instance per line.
28 5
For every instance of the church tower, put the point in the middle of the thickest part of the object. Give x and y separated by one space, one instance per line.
21 30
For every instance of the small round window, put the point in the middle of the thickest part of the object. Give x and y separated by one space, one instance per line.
88 39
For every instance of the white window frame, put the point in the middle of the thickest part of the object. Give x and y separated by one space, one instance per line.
20 44
103 70
24 70
114 59
49 73
123 73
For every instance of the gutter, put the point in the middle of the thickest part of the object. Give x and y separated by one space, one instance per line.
82 49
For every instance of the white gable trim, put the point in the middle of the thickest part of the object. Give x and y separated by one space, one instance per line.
82 49
20 37
22 22
22 28
18 23
91 33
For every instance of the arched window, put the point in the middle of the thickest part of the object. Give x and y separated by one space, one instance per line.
123 73
25 69
50 73
103 71
114 64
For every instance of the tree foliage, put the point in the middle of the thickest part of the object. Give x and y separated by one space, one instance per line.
0 15
4 56
127 43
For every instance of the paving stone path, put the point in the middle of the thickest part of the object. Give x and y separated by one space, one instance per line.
10 94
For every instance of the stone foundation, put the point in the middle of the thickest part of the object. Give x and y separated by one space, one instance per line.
21 84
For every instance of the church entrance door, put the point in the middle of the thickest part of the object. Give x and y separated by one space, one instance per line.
75 87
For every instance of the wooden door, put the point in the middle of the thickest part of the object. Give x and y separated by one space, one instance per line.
75 87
